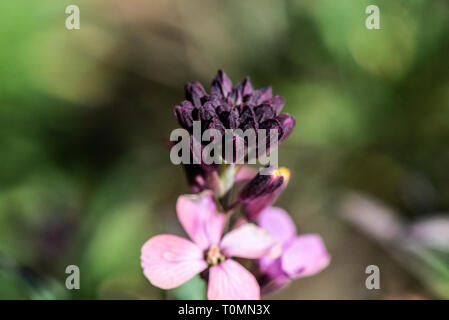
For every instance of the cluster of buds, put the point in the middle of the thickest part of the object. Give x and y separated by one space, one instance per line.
229 107
263 233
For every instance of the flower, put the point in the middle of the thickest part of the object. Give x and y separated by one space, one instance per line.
294 257
168 260
262 191
230 107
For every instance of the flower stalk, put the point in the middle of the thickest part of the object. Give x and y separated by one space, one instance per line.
230 214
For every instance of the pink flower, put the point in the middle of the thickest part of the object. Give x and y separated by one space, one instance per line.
168 260
294 257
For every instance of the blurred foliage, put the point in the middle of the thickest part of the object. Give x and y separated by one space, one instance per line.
85 115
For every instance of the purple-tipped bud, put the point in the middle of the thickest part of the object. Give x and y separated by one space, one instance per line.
277 103
287 123
259 96
221 84
270 143
194 93
264 112
207 112
271 124
230 119
216 124
247 118
241 90
262 191
214 98
247 87
223 108
261 185
183 114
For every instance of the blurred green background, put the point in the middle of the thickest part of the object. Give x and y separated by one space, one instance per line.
85 115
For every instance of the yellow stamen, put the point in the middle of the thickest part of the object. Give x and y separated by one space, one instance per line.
285 173
275 252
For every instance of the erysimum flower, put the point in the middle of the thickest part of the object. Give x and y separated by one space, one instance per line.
168 260
229 107
298 255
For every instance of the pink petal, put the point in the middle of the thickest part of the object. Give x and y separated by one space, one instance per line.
247 241
199 217
306 255
278 223
231 281
168 261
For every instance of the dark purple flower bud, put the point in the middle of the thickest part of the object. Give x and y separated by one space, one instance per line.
247 87
271 124
262 191
259 96
270 142
214 98
287 123
207 112
264 112
216 124
238 148
234 118
241 90
196 152
183 114
224 118
261 185
230 119
236 96
221 84
187 105
247 118
223 108
277 103
194 92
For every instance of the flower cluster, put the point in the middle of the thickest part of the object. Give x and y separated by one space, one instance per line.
264 234
229 107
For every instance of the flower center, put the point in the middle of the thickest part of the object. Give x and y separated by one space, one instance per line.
214 256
